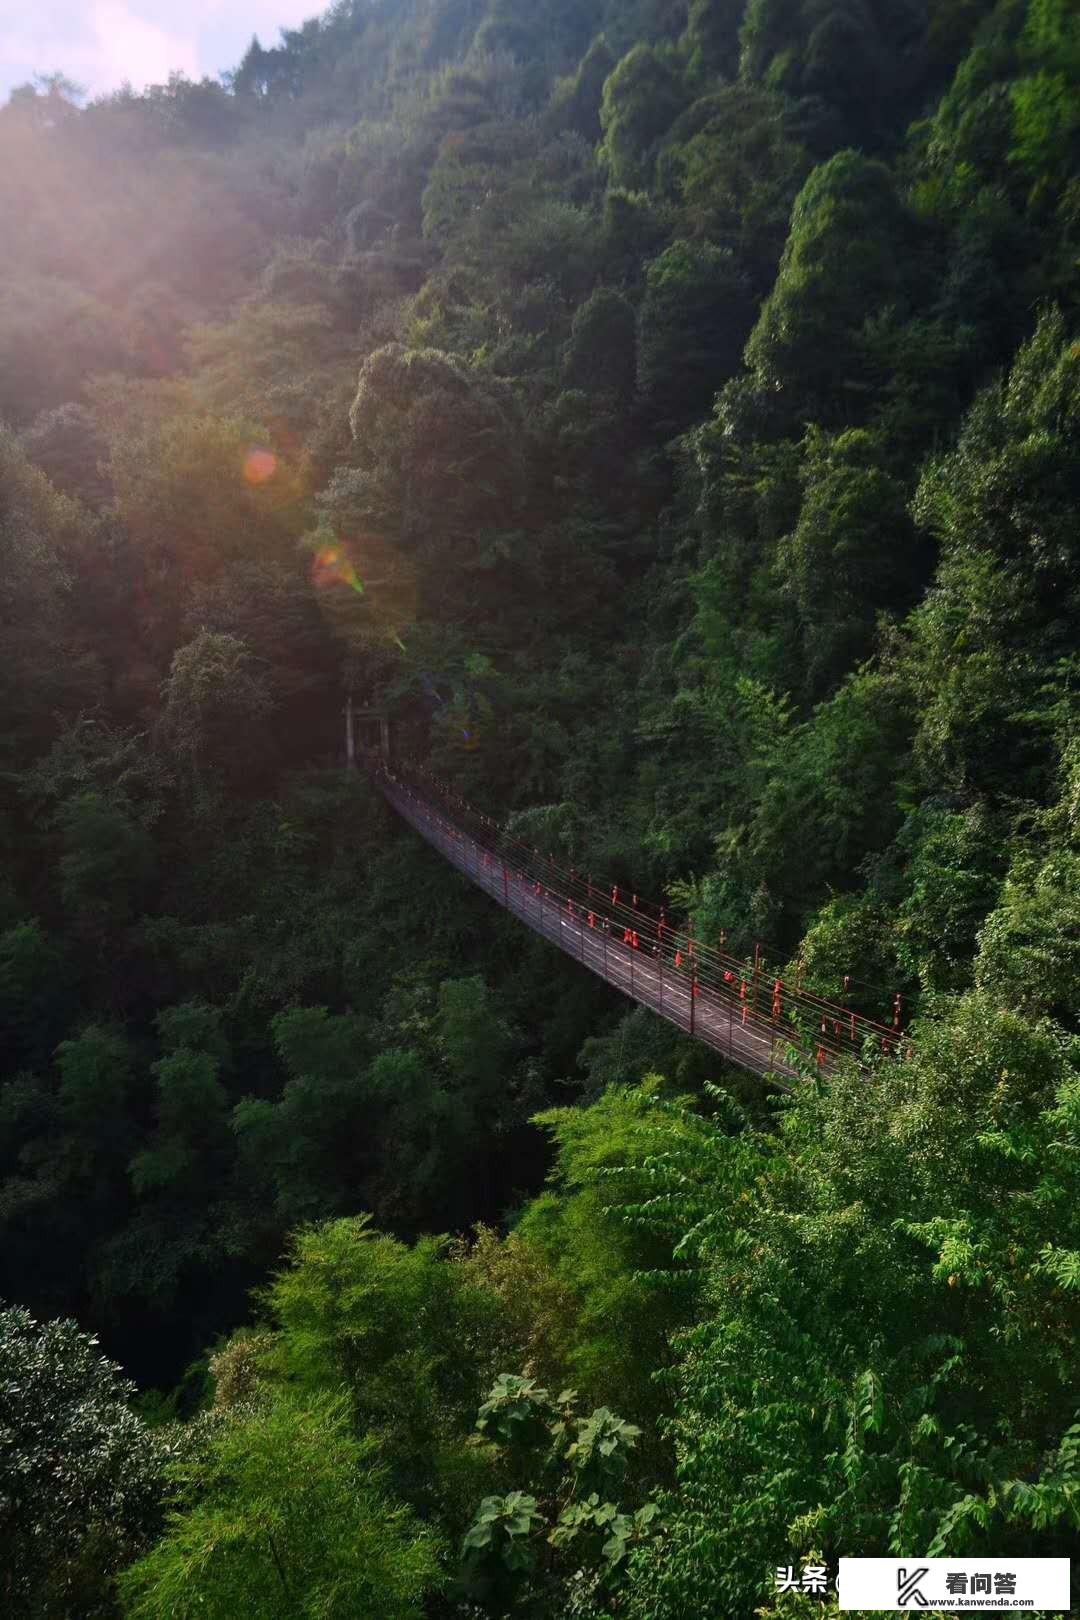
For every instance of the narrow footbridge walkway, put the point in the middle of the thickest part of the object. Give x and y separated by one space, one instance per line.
754 1018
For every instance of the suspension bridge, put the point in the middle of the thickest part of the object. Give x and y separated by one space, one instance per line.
751 1016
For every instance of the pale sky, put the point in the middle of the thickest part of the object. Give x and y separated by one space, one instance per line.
102 43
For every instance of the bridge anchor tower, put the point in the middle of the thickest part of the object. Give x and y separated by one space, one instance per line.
370 726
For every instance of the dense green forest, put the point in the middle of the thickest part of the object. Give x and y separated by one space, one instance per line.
669 414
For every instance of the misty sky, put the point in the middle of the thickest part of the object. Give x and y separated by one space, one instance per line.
100 43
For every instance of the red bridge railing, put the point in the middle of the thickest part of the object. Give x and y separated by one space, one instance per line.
736 1007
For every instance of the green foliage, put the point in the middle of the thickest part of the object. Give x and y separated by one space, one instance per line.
516 1412
954 873
435 448
214 697
501 1551
852 555
840 1387
632 222
54 333
990 633
619 1532
641 97
475 1043
192 1130
536 1310
283 1512
576 100
388 1324
95 1078
1045 121
844 259
695 317
274 359
106 866
68 448
80 1475
598 1455
31 994
153 468
607 1262
501 1530
735 161
859 59
712 33
299 1146
40 535
1027 948
600 352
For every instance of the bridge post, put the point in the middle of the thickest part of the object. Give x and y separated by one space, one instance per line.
693 987
660 971
350 735
368 718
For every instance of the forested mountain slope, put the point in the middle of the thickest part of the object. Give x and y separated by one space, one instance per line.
670 416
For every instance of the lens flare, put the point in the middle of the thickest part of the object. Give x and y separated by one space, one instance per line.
260 465
368 568
333 566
